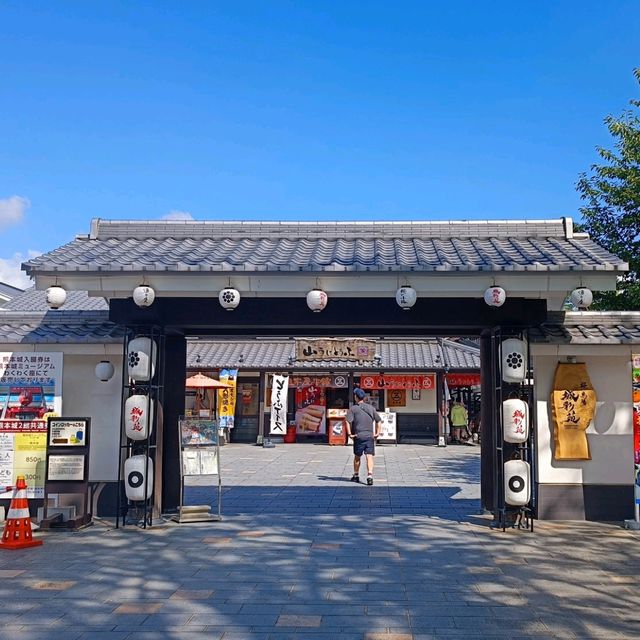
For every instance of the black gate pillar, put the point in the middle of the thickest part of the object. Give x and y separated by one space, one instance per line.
175 374
488 367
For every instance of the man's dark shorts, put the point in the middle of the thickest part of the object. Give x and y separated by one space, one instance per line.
364 445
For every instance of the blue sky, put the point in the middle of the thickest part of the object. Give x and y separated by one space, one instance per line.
301 110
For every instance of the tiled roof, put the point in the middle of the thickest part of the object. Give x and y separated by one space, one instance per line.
279 354
589 327
33 300
9 290
191 246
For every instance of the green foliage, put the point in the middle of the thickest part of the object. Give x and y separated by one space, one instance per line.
611 214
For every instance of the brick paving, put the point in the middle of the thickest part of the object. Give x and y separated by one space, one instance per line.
302 553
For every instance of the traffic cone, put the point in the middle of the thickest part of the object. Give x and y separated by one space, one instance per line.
17 530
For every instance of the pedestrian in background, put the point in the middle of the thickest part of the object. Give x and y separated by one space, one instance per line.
363 425
459 419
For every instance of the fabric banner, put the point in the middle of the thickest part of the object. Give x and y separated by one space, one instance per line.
463 379
422 381
636 422
573 403
279 389
227 399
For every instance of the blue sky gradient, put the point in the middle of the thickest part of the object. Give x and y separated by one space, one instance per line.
301 110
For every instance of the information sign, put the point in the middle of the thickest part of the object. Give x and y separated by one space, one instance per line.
67 433
63 467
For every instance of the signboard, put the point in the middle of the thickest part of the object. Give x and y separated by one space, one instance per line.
422 381
388 426
636 422
353 349
310 411
333 382
64 432
200 462
30 389
65 467
194 432
227 399
278 420
463 379
396 397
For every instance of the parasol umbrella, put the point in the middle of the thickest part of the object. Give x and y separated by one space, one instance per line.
200 381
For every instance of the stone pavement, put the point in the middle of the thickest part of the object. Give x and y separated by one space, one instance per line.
302 553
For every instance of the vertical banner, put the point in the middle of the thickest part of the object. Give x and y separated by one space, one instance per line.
30 389
279 389
227 399
636 422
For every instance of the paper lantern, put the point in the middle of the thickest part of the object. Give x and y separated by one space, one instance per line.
104 371
517 483
55 296
135 477
406 297
144 295
495 296
229 298
515 420
138 417
581 298
514 360
317 300
141 359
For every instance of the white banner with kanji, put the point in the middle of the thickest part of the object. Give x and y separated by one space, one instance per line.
279 389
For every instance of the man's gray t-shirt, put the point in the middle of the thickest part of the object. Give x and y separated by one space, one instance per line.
361 417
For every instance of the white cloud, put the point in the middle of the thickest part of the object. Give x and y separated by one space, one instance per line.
177 215
10 272
12 210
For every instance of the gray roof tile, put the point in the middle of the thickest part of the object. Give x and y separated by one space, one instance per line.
116 246
33 300
589 327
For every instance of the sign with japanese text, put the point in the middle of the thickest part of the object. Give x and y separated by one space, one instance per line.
334 382
67 433
311 404
279 389
421 381
353 349
64 467
463 379
636 422
30 389
227 399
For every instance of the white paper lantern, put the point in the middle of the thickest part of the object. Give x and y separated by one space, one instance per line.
317 300
515 420
495 296
144 295
104 371
406 297
141 359
514 360
229 298
55 296
581 298
138 417
517 483
135 477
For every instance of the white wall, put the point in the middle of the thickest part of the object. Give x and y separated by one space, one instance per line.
426 404
610 434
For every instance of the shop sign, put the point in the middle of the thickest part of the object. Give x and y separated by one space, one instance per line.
463 379
334 382
636 422
227 398
278 421
422 381
335 349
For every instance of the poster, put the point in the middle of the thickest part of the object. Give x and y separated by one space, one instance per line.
30 388
278 420
227 399
388 426
198 432
636 422
311 406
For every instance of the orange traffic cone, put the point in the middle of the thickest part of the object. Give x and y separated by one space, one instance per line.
17 530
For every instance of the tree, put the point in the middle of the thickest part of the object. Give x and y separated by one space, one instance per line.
611 215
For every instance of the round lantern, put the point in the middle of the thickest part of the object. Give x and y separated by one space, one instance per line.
138 417
495 296
56 296
317 300
581 298
515 420
514 360
141 359
406 297
144 295
104 371
517 482
136 469
229 298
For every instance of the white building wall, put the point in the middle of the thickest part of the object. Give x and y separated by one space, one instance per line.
610 434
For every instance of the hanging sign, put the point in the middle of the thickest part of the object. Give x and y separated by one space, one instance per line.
636 423
311 406
227 399
463 379
279 389
422 381
573 402
333 382
335 349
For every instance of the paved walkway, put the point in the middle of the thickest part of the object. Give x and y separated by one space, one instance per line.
304 553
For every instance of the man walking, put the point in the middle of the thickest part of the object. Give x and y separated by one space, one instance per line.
360 427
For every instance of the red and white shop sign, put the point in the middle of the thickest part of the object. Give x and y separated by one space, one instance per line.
463 379
423 381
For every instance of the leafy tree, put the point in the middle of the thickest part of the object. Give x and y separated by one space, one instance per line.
611 215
